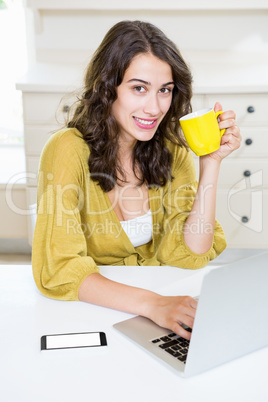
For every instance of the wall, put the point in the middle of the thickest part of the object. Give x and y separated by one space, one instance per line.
72 36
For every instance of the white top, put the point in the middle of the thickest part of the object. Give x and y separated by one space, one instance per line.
139 230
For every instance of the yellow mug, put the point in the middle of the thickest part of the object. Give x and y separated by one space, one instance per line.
201 131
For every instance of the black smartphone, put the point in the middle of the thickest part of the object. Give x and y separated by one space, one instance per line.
73 340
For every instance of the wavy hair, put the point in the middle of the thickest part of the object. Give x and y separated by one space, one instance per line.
93 117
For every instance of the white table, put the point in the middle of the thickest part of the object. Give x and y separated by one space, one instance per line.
119 372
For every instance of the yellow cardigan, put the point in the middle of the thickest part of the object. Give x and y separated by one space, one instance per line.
77 228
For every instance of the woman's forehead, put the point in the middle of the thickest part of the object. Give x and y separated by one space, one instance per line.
148 67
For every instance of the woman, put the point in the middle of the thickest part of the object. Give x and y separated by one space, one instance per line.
118 186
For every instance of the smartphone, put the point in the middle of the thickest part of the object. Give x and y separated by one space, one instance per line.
74 340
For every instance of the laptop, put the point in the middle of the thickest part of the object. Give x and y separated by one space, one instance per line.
231 320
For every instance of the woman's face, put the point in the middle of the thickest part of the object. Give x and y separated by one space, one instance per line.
143 98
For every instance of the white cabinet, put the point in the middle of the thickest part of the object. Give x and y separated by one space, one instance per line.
243 181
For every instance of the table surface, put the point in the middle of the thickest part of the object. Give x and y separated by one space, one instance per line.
119 372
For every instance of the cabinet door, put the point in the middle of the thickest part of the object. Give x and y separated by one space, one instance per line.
46 108
35 138
13 208
254 143
244 217
32 165
250 109
241 173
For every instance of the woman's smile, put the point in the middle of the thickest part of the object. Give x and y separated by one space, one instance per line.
145 123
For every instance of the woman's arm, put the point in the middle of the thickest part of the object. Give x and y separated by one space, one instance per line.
168 312
199 226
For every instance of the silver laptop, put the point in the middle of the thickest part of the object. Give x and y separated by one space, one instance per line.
231 320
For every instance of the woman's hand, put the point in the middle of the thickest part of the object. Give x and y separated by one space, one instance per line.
231 138
173 311
167 311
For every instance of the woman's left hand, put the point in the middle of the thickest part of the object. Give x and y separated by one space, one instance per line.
231 138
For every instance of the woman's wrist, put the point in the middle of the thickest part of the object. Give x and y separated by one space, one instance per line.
207 163
149 305
209 170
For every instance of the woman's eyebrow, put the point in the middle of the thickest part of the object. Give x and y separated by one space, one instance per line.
148 83
139 80
168 83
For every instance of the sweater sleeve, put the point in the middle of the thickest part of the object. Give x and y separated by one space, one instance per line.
177 202
59 256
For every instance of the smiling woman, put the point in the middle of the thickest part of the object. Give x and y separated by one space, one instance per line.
118 185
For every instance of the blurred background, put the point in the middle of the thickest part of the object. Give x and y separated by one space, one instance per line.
45 47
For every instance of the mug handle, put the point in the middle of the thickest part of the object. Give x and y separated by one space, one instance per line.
216 115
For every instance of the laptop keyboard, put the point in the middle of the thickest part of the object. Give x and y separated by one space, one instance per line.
174 344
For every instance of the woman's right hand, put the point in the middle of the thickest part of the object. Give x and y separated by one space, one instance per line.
173 311
167 311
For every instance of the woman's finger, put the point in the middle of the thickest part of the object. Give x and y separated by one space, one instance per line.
227 123
228 114
179 330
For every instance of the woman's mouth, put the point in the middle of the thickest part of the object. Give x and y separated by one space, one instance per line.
145 123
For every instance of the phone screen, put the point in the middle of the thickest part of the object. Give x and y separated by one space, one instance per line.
79 340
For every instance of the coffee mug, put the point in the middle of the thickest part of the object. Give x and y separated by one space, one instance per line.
201 131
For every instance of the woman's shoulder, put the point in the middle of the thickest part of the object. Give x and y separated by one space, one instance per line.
66 142
66 137
65 148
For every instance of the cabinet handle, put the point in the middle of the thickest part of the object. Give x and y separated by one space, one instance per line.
66 108
248 141
247 173
244 219
251 109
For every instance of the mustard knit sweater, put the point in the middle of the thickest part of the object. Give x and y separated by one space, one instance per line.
77 229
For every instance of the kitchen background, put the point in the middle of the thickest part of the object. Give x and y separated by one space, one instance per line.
49 44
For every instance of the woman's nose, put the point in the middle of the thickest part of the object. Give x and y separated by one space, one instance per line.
151 106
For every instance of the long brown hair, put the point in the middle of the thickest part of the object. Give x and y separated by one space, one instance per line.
93 117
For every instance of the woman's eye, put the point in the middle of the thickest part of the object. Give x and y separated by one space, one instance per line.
139 88
165 90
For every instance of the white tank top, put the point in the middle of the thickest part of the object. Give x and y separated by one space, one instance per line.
139 230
